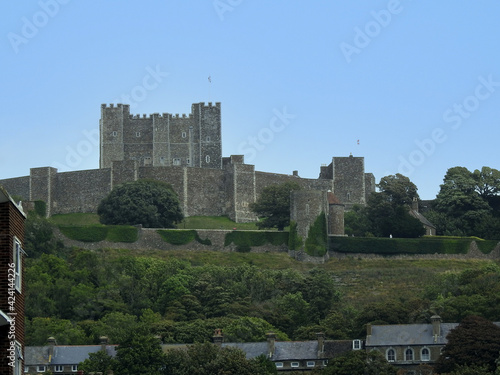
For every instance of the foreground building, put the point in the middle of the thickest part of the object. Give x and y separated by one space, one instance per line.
11 285
409 345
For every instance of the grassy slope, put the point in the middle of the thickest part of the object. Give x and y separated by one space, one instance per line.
361 280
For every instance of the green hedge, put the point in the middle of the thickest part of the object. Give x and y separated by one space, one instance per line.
394 246
294 240
487 246
245 240
96 233
182 237
317 238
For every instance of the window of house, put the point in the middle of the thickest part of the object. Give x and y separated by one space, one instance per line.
311 363
177 161
26 369
391 355
356 344
58 368
74 368
137 134
184 135
279 364
40 369
409 354
208 138
17 263
207 159
18 360
425 354
325 362
295 364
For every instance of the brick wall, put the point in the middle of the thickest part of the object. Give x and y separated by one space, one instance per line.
11 225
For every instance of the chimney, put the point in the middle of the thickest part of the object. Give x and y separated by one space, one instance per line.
218 338
368 329
103 340
51 342
414 204
271 339
436 326
320 336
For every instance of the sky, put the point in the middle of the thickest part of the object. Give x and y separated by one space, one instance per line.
411 86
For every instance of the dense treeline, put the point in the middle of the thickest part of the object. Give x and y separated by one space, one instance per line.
88 294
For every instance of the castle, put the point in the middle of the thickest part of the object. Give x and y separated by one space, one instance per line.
185 151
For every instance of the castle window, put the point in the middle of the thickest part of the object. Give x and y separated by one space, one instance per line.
390 355
17 250
425 354
207 159
409 354
137 134
184 135
188 161
348 197
177 161
114 134
208 138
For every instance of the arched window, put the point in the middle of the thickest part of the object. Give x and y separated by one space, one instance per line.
425 354
390 355
207 159
409 354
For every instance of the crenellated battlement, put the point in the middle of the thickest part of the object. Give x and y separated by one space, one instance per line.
164 139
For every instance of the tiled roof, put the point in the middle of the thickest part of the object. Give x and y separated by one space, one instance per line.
251 349
63 355
288 350
407 334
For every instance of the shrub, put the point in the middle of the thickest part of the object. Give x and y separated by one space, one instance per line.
317 238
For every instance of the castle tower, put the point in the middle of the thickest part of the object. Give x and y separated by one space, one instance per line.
162 140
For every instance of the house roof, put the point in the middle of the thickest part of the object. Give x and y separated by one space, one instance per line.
422 218
63 354
5 197
407 334
292 350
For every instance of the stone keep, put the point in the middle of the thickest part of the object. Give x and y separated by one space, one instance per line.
161 140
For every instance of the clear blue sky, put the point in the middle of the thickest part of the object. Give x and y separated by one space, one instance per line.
417 83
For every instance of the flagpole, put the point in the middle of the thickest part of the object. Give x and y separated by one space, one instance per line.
209 86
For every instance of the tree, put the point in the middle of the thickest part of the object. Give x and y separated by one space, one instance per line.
97 362
468 203
475 341
207 358
138 354
273 205
398 189
151 203
358 362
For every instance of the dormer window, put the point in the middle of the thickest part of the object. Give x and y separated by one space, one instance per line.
356 344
